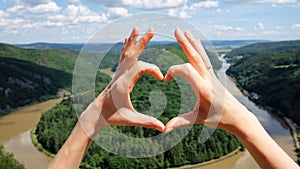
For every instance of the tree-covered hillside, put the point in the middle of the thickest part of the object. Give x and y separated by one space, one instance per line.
272 79
32 75
28 76
58 59
23 82
262 47
56 124
7 160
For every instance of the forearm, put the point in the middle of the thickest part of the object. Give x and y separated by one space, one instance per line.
266 151
262 147
74 149
72 152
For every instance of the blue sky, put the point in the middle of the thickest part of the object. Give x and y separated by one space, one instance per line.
27 21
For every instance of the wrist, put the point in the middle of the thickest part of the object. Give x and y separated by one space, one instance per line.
241 122
91 120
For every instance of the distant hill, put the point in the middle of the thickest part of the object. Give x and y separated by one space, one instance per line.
58 59
43 46
234 43
262 47
116 48
79 46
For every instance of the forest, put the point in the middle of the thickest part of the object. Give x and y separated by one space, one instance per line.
271 79
28 76
262 47
7 160
38 74
56 124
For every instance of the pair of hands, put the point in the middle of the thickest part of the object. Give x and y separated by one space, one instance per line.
114 102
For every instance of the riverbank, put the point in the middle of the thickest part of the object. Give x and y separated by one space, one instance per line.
36 143
26 118
6 112
192 166
293 127
15 134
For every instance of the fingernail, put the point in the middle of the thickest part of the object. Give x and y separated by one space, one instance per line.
188 34
134 31
178 30
150 29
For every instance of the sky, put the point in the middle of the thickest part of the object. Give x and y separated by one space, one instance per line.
74 21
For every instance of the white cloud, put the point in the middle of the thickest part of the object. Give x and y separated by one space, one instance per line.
143 4
154 4
29 2
296 26
186 11
13 23
41 9
25 19
75 14
3 14
263 1
50 7
75 2
221 11
181 13
204 4
259 26
227 28
276 1
117 12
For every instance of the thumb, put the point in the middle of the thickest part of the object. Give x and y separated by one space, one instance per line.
181 121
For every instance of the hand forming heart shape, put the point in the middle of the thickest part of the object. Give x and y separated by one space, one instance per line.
114 102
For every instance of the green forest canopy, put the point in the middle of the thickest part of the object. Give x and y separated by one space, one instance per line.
274 77
262 47
52 133
7 160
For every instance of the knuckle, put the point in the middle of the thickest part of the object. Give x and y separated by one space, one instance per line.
139 65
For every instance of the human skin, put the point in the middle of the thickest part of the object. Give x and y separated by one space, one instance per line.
215 106
112 106
228 113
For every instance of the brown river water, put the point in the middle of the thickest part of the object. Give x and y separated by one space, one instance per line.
15 134
15 127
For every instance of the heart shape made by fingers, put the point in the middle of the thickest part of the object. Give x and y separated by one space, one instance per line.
118 109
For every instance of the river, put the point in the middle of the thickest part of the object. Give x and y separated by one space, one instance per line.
274 126
15 127
15 134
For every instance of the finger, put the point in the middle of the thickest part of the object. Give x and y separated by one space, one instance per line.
132 38
142 43
190 53
188 72
137 119
123 56
197 45
181 121
141 68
